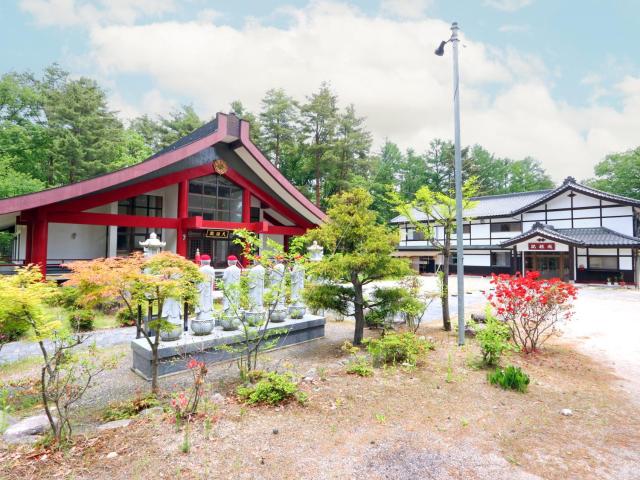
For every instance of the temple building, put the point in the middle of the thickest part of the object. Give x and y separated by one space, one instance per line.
192 195
573 232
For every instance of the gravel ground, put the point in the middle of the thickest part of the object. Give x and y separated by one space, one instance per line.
607 327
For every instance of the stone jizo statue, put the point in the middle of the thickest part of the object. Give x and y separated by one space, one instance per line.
231 279
277 284
204 307
297 284
256 287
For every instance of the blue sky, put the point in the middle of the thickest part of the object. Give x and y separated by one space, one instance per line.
558 80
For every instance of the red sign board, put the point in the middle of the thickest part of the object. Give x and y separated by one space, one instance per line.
542 246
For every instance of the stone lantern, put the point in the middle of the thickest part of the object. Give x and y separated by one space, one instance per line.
316 252
152 245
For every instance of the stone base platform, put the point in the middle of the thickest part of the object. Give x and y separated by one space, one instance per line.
174 356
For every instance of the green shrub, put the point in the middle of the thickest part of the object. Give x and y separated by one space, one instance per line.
66 297
273 388
82 320
125 318
130 408
510 378
394 348
361 366
493 340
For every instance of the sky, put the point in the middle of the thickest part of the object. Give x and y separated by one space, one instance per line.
555 80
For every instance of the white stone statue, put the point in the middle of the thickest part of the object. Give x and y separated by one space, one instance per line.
231 279
204 307
277 284
172 311
152 245
315 252
256 287
297 284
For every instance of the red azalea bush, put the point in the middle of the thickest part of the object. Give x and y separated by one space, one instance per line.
532 307
185 404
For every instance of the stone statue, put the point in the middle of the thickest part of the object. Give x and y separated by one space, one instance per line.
172 311
277 284
231 279
256 287
297 283
204 307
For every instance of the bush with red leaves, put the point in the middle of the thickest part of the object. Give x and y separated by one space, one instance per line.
532 307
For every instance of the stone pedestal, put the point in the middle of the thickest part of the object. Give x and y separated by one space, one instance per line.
174 356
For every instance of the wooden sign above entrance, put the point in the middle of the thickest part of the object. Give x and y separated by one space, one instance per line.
542 246
217 234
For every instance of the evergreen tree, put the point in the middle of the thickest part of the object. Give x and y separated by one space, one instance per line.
320 117
279 126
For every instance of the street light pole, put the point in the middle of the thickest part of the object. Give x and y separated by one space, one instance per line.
458 180
458 177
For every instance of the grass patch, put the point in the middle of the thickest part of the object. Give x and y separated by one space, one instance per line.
129 408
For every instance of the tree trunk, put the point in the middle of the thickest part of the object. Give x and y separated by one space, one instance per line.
317 180
358 305
154 366
444 293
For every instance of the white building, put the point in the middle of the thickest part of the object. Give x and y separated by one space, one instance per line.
573 232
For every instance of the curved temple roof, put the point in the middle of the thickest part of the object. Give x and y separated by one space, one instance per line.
512 204
585 237
224 129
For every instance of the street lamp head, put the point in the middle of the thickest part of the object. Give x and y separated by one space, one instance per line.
440 50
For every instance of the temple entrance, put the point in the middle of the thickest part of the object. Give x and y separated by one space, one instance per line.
550 265
217 248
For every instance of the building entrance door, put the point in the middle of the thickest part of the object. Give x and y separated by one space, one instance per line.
217 248
550 265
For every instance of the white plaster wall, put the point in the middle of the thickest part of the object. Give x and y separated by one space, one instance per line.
616 211
626 263
621 225
480 230
533 216
89 242
559 214
481 260
562 201
589 212
586 222
581 200
603 251
560 223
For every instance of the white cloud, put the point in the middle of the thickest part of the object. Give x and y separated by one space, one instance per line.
405 8
65 13
386 67
508 5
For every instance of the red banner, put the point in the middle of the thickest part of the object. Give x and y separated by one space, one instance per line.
542 246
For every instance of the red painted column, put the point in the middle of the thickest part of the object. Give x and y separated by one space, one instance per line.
246 205
39 241
183 212
246 218
28 252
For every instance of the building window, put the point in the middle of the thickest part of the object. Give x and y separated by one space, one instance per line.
142 206
506 227
501 259
603 263
7 242
215 198
453 259
413 234
466 228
